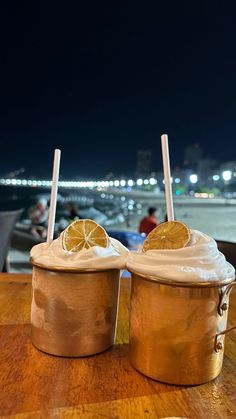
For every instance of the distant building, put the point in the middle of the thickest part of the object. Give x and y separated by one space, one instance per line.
109 176
228 174
192 155
229 165
144 163
181 176
205 169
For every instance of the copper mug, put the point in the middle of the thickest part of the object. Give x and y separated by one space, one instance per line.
73 312
177 329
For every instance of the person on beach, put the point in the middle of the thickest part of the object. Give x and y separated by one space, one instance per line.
149 222
38 215
72 211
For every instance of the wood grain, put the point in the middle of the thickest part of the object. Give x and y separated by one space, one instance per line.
37 385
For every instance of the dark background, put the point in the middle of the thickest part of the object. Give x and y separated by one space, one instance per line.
104 79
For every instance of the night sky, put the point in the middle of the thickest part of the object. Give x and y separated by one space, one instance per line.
102 79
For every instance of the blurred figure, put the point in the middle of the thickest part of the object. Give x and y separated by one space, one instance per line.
38 215
70 214
127 219
149 222
72 210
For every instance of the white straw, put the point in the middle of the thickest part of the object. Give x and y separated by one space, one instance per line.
53 200
167 177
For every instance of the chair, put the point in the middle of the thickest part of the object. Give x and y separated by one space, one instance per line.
229 250
7 223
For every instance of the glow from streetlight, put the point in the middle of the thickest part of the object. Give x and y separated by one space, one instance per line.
193 178
216 177
226 175
153 181
171 180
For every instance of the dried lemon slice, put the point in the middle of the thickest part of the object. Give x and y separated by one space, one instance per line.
83 234
169 235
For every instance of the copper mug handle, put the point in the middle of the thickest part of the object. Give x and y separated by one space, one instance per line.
218 344
223 306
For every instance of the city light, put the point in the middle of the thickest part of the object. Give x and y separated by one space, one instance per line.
152 181
204 195
171 180
227 175
66 183
193 178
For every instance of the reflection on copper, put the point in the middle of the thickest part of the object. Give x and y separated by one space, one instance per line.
173 330
74 313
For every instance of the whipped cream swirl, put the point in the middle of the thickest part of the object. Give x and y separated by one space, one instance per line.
50 255
199 261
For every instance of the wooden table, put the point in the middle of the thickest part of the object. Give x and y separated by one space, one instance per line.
36 385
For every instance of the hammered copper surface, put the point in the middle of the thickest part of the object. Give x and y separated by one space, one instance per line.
173 331
74 313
